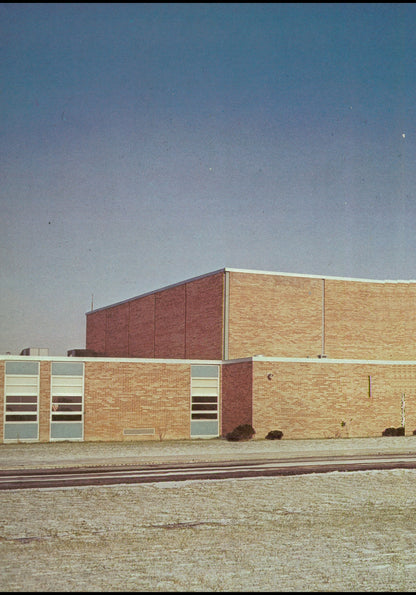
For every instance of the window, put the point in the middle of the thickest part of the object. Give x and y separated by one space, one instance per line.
204 401
21 403
67 400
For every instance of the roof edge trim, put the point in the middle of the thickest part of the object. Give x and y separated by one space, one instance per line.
252 272
304 275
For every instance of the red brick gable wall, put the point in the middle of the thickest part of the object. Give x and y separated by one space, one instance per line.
96 331
204 317
117 331
141 327
170 322
184 321
236 395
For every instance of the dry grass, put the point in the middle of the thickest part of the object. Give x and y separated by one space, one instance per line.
337 531
68 453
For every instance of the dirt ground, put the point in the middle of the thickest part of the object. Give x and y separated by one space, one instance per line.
342 531
141 452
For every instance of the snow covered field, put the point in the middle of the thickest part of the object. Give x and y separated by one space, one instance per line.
352 531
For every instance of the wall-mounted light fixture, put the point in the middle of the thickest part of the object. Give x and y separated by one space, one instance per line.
270 376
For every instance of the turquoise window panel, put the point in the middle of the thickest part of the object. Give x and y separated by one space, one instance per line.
67 369
66 431
22 368
204 428
20 431
198 371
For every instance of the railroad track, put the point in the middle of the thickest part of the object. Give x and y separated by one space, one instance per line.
107 475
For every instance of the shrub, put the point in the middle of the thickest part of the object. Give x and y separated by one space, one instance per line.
393 432
242 432
274 435
414 432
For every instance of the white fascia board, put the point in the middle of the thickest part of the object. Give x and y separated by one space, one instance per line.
256 358
127 360
326 360
277 274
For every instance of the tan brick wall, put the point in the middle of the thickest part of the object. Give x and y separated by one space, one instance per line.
310 400
236 395
370 320
44 401
136 395
274 316
281 316
305 400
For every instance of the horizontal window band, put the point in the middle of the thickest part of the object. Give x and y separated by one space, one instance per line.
67 391
204 416
22 381
204 407
21 407
21 399
66 417
204 399
204 382
201 391
67 399
21 417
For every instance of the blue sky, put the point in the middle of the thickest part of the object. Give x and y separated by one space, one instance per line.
145 144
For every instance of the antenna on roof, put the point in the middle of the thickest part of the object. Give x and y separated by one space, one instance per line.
92 301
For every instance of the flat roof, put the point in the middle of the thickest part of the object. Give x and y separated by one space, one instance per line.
254 358
251 272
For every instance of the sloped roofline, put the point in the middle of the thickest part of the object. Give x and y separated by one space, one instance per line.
251 272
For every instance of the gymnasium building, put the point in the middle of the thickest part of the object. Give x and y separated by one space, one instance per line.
312 356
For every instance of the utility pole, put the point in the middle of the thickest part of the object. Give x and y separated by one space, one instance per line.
403 409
